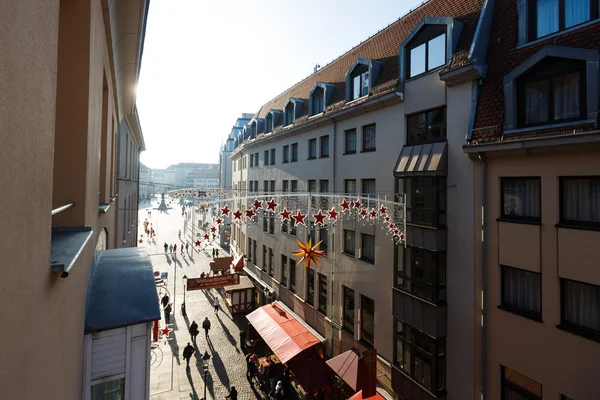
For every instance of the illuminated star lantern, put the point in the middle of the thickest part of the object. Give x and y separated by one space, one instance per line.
285 214
219 221
299 218
202 208
237 215
197 243
213 229
382 210
271 205
391 226
319 218
206 237
373 213
257 204
250 213
308 253
141 241
387 218
363 213
165 331
356 204
345 205
332 214
225 211
402 237
396 231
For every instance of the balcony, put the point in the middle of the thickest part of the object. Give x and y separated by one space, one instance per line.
420 314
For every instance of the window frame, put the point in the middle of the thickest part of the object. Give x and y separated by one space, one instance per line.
345 249
286 154
318 93
370 340
266 157
310 287
506 384
429 33
353 141
360 71
292 266
288 114
345 320
519 218
570 326
294 152
272 157
322 279
515 308
366 149
264 258
438 213
574 224
284 272
312 145
346 182
322 140
428 138
532 19
363 257
437 271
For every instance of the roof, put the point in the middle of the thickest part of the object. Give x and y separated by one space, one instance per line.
345 365
502 49
282 331
245 283
384 47
424 159
359 396
122 291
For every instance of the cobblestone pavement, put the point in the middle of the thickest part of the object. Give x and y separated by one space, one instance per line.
168 377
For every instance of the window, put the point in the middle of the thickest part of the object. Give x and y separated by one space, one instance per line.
521 198
270 262
272 157
251 160
580 308
312 149
518 386
272 186
421 357
422 273
288 114
322 294
549 16
349 242
367 320
251 185
111 390
318 101
324 186
265 186
256 159
272 223
265 221
269 123
367 248
266 157
348 324
553 91
312 232
350 141
284 266
264 266
425 201
285 186
368 187
426 127
324 146
286 154
310 287
254 245
360 81
350 186
521 292
249 249
368 138
427 51
323 237
292 274
294 185
312 186
294 152
580 201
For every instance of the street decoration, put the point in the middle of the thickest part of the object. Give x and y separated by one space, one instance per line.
257 204
225 211
319 218
197 243
299 218
212 282
271 205
308 253
333 215
285 214
345 205
165 331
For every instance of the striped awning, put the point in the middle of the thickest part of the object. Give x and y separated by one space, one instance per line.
423 160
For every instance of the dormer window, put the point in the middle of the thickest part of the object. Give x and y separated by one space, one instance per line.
289 114
360 82
253 130
269 123
545 17
361 77
427 50
318 101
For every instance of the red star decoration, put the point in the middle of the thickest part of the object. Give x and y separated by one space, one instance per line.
213 229
345 205
391 226
271 205
237 215
206 237
285 214
299 218
194 194
382 210
373 213
319 218
332 213
396 231
257 204
141 241
356 204
249 213
197 243
387 218
225 211
165 331
402 236
219 221
363 212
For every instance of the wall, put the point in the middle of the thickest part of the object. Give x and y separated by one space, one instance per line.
127 187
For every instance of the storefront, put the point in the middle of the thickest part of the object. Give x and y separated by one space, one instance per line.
240 298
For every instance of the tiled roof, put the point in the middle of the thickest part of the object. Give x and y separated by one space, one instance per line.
503 57
384 47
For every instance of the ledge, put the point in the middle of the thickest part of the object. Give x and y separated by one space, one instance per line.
103 207
519 221
588 334
522 313
114 197
567 225
66 246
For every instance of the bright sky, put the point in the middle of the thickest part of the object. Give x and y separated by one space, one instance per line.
206 62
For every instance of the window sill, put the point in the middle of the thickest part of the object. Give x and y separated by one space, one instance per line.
522 313
275 280
348 332
549 126
519 221
367 260
439 394
576 330
366 344
323 313
327 156
349 254
312 158
421 299
555 34
368 150
349 152
567 225
418 225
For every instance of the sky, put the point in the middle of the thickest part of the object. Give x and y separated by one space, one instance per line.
206 62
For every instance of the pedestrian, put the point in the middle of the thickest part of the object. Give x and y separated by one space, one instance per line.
206 326
217 251
188 351
181 249
279 391
175 248
168 310
194 331
213 251
232 394
216 304
166 247
187 247
170 248
250 369
165 300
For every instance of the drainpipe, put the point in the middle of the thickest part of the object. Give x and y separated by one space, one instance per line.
483 275
333 294
334 149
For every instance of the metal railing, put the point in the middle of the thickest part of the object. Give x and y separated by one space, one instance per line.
63 208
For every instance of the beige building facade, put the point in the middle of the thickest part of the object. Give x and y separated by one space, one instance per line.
67 70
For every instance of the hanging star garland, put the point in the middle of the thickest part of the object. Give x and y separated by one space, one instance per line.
345 205
319 218
363 213
387 218
225 211
197 243
219 221
356 204
299 218
213 229
250 213
382 210
165 331
257 204
285 214
373 213
237 215
206 237
332 214
271 205
308 253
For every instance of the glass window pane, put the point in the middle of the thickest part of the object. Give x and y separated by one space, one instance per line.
367 308
417 60
576 12
348 309
356 87
436 52
582 304
436 124
547 17
522 289
364 78
536 102
581 200
521 197
566 96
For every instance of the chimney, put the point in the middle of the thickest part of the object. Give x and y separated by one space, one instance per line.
367 374
317 66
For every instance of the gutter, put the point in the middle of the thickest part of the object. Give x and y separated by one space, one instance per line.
483 276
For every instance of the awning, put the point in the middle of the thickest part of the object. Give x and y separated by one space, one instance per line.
245 283
345 366
282 332
423 160
359 396
238 264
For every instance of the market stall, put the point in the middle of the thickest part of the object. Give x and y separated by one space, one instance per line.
239 298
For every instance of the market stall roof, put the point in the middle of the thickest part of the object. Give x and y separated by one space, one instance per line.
238 264
245 283
282 330
345 366
359 396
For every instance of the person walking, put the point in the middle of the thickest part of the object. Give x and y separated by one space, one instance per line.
181 249
175 248
166 247
168 310
194 331
250 369
216 304
170 248
217 252
232 394
279 392
187 247
165 300
188 352
206 326
213 252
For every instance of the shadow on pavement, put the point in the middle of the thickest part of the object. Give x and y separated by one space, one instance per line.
194 394
175 349
228 334
220 369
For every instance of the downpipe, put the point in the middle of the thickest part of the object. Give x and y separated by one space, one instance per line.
483 276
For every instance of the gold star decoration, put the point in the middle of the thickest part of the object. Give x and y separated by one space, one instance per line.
308 253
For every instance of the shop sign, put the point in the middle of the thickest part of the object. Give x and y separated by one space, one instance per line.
212 282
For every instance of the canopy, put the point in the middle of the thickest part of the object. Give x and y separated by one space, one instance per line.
238 264
345 366
282 332
359 396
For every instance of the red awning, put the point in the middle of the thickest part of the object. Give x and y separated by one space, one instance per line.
345 366
359 396
282 332
238 264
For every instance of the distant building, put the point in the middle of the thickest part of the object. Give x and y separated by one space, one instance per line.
206 178
182 175
146 187
225 164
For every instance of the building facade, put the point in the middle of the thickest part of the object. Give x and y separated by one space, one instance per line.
386 120
225 164
66 89
536 152
147 189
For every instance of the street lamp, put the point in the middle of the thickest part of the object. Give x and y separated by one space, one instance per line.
205 359
183 305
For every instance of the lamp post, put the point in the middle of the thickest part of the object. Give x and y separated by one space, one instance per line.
205 359
183 312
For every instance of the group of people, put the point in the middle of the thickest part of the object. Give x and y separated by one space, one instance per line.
172 248
266 375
